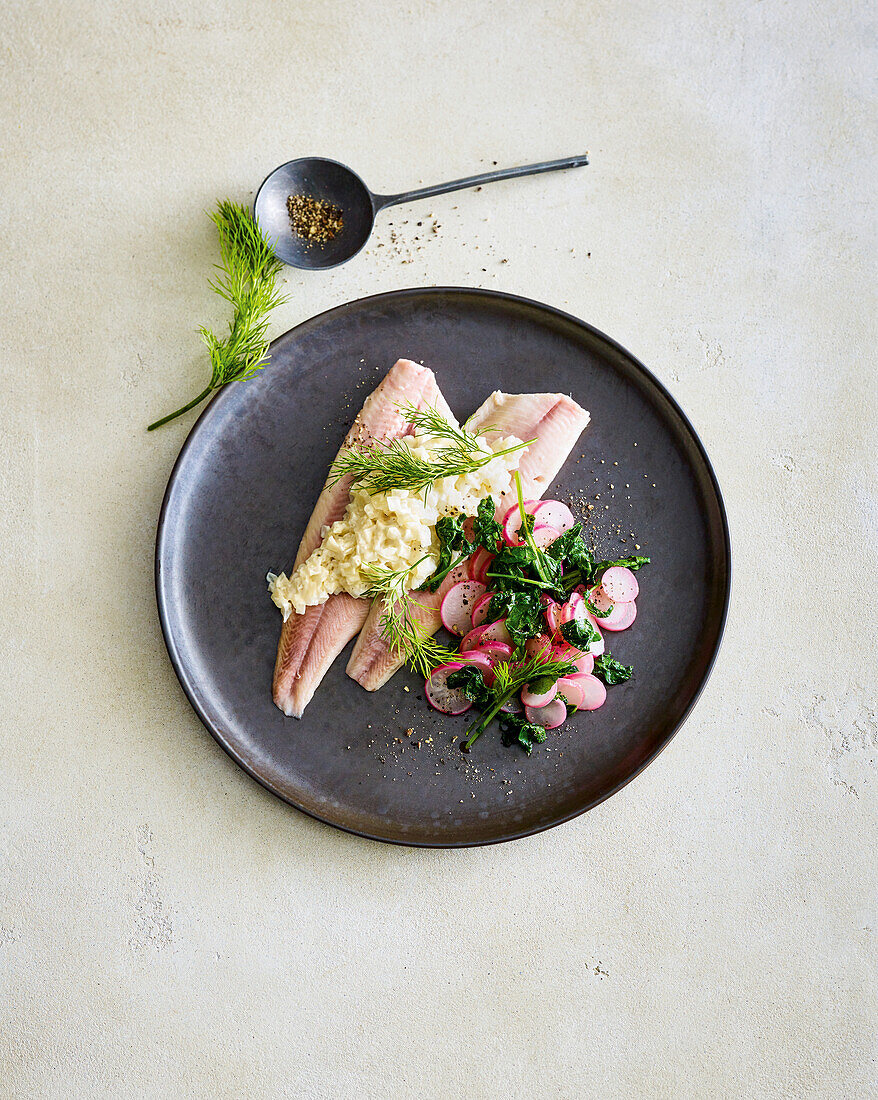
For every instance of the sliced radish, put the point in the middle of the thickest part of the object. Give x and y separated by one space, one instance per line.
585 663
620 584
496 632
619 611
511 528
542 643
576 600
458 573
553 617
469 528
549 716
600 599
480 608
572 611
544 535
554 513
597 647
531 699
494 651
478 563
456 610
472 640
563 651
572 692
594 692
441 696
512 706
477 658
627 618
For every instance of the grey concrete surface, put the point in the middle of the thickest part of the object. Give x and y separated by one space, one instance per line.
169 929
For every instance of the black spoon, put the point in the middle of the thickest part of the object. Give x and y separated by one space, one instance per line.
320 178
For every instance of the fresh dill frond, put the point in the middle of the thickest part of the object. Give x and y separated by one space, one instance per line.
247 279
384 467
400 627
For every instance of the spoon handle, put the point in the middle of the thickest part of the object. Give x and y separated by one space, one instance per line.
380 201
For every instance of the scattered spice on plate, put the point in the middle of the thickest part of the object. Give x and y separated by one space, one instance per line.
315 220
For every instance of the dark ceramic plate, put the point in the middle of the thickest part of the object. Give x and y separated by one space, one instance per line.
245 484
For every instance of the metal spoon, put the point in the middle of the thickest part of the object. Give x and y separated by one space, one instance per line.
320 178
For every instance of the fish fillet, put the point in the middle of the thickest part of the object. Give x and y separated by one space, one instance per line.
557 423
310 642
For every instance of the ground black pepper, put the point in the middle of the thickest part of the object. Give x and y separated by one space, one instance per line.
315 220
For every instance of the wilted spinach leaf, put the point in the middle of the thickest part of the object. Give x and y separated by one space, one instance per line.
518 731
487 530
471 682
610 670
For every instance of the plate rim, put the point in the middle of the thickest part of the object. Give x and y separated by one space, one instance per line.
473 292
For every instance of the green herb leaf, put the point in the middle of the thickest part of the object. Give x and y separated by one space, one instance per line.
449 531
470 681
518 731
487 530
247 280
610 670
522 611
541 684
628 563
579 633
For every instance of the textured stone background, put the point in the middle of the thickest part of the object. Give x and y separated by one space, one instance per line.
169 929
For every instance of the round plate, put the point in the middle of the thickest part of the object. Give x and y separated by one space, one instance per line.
384 765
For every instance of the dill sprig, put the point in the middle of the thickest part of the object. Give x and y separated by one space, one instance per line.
509 678
384 467
247 280
406 636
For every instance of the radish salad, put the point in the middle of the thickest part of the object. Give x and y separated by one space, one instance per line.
530 605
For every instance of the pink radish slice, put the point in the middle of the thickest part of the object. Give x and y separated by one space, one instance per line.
553 617
595 694
497 632
630 614
600 599
511 706
472 640
458 573
477 658
554 513
512 522
494 651
456 610
533 700
544 535
572 692
563 651
477 563
485 565
542 643
598 647
480 608
620 584
469 528
585 663
576 600
441 696
619 612
549 716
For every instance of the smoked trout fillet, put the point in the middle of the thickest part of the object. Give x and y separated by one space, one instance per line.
556 422
310 642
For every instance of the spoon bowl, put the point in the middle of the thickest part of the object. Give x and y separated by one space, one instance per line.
321 178
318 178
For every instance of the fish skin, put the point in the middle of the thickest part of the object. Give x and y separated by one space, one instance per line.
310 642
557 421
